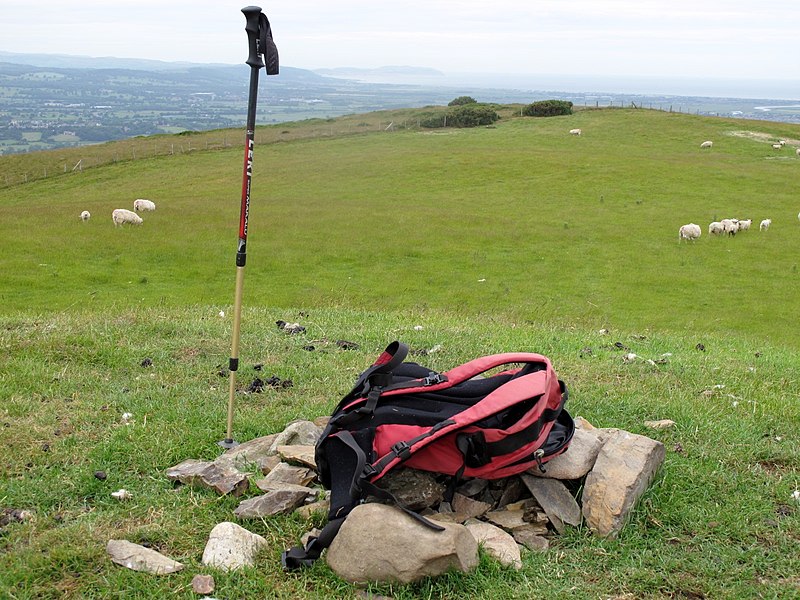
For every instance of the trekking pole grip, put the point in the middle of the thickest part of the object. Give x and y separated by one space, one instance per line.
253 15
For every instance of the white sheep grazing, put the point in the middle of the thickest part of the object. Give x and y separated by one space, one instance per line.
141 204
575 131
715 228
730 226
689 232
777 146
782 142
85 215
797 152
765 224
123 215
745 225
707 144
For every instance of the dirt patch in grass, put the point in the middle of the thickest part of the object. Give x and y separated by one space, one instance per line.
760 136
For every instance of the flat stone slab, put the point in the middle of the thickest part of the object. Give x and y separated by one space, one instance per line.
286 473
298 454
255 454
138 558
624 469
222 478
277 501
555 499
579 458
496 542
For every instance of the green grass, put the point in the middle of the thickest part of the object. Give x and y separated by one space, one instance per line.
521 219
519 237
718 521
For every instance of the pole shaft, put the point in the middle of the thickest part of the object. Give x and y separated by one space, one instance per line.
241 249
237 319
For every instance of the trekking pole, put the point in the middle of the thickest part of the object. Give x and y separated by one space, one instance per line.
259 38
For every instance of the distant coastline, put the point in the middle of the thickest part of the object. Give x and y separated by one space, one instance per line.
47 102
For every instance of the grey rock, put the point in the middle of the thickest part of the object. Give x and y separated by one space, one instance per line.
322 422
554 497
511 493
224 479
507 519
307 510
298 433
255 454
302 455
496 542
138 558
660 424
413 489
231 547
623 471
286 473
400 550
579 458
469 508
203 584
531 538
473 487
277 501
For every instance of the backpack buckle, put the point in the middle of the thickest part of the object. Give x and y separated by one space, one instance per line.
402 450
433 379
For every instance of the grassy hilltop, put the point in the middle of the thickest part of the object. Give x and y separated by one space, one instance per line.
521 219
515 237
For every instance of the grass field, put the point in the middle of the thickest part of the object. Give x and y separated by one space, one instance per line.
518 237
521 219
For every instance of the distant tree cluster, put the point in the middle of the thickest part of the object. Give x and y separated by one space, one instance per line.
462 100
548 108
464 115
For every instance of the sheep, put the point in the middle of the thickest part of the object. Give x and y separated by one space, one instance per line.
141 204
707 144
689 232
765 224
797 152
123 215
782 142
575 132
745 225
715 228
730 226
777 146
85 215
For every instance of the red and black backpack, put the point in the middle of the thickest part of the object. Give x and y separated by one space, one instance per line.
461 423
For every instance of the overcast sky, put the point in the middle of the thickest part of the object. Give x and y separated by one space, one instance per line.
696 38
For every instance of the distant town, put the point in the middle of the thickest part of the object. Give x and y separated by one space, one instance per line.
45 107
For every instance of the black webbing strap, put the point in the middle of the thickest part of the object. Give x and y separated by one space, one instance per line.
389 360
300 556
373 490
515 441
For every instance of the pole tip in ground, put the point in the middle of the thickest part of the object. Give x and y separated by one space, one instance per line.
228 444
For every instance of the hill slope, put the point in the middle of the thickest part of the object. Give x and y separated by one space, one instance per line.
522 219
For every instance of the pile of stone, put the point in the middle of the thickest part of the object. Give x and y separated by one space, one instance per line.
611 468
